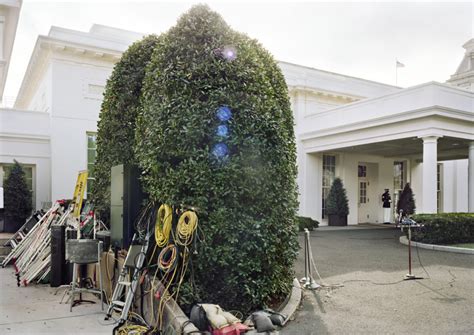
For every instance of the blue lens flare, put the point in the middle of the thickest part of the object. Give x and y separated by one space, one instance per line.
220 150
222 130
224 113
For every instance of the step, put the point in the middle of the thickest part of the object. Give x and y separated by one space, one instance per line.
4 251
125 283
118 303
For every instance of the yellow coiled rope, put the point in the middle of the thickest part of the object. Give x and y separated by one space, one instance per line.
187 224
163 225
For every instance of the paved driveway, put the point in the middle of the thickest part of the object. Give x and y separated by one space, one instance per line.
370 264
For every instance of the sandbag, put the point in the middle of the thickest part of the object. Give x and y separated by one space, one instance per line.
262 322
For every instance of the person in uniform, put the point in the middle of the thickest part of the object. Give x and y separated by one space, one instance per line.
386 204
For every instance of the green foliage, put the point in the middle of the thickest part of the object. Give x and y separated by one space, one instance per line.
406 201
116 127
247 200
17 196
306 222
336 202
445 228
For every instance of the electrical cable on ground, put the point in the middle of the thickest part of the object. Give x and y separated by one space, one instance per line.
419 260
323 284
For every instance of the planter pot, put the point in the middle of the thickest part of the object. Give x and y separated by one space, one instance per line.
336 220
11 225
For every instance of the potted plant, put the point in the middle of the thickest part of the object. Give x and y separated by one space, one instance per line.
406 202
337 207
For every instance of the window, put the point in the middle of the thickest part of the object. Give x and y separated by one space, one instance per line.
5 170
363 192
91 154
362 171
329 173
399 172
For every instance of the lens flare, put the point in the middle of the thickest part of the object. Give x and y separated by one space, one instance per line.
229 53
224 113
220 150
222 130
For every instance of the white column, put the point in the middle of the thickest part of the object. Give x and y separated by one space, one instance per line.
2 31
470 178
430 161
313 181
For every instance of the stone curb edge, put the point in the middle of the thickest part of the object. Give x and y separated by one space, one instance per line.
289 306
404 240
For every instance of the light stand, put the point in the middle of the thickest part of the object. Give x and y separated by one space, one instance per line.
409 275
409 223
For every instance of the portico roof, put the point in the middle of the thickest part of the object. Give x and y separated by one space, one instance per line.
378 124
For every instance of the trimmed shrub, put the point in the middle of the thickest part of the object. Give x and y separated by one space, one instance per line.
17 196
406 201
116 126
203 76
306 222
445 228
336 202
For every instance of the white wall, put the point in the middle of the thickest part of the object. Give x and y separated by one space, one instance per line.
455 186
42 98
24 136
416 182
75 111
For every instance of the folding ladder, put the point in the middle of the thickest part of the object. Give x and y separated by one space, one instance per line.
25 229
133 264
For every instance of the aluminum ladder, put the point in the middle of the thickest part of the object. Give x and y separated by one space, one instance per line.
24 230
134 261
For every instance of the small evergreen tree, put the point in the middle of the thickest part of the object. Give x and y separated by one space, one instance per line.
17 195
406 201
336 202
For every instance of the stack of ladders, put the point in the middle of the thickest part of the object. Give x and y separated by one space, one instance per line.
32 254
23 231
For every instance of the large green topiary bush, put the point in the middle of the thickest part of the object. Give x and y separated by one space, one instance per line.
116 127
245 190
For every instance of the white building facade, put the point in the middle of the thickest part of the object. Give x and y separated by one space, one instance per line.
372 135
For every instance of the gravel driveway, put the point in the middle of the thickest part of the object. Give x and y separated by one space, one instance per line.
374 298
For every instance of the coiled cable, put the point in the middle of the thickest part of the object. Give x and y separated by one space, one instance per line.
167 259
187 224
163 225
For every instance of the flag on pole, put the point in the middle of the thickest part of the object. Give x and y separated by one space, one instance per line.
400 64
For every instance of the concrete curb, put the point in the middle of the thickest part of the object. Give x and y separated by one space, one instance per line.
404 240
174 317
289 306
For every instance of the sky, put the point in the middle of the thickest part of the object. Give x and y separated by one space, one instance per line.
361 39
